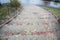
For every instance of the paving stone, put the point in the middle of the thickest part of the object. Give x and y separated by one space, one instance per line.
31 19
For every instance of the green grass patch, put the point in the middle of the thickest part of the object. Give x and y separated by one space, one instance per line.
6 12
3 13
55 11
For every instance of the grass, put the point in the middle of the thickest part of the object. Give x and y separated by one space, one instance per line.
55 11
3 13
6 12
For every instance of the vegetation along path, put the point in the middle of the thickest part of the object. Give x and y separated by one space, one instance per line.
33 23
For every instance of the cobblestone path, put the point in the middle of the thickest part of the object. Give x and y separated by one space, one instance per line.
33 23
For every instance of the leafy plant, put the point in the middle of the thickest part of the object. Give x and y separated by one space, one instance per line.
14 3
3 13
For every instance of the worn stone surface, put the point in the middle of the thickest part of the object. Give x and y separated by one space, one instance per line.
31 19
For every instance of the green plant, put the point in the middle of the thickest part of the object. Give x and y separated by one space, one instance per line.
3 13
14 3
